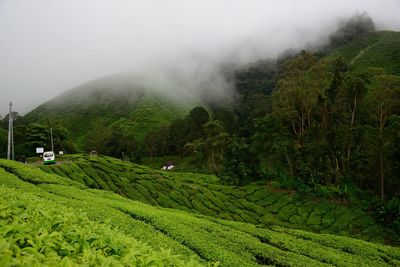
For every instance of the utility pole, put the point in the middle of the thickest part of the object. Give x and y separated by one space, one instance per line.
10 148
51 138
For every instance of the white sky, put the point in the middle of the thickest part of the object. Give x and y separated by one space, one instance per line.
49 46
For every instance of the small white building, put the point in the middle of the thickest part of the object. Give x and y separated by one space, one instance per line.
168 166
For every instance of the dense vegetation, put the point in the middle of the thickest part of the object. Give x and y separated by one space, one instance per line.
311 143
310 120
39 232
46 218
108 115
259 204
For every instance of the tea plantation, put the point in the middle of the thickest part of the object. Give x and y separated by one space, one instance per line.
50 220
204 194
373 49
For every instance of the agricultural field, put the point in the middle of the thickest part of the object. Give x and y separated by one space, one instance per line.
374 49
111 103
258 204
46 219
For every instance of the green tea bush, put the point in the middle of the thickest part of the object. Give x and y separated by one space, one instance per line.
35 176
35 232
196 237
190 191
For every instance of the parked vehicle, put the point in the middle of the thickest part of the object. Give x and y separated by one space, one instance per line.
49 158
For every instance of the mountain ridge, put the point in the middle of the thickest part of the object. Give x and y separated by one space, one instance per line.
117 101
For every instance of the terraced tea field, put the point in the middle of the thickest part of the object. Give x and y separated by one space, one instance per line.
203 194
374 49
47 219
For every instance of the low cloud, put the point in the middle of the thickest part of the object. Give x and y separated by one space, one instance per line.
49 46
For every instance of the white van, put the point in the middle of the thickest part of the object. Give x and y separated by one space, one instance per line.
49 158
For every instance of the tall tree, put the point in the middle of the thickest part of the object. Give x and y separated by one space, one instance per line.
185 130
356 90
37 136
383 98
350 97
298 92
199 115
3 142
156 143
212 146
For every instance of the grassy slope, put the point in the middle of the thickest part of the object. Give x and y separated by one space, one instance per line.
377 49
28 192
203 194
132 109
150 115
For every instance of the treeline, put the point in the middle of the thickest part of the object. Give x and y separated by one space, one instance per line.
322 125
328 125
29 136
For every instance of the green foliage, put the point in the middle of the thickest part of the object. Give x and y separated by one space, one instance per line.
37 232
258 77
388 213
37 136
240 164
228 119
322 133
320 126
187 163
157 143
373 49
383 101
103 106
200 116
211 147
188 129
114 143
204 194
84 226
3 142
35 176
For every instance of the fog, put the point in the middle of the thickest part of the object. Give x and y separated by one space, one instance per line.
49 46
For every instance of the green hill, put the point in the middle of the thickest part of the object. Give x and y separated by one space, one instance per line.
374 49
118 102
258 204
47 219
137 107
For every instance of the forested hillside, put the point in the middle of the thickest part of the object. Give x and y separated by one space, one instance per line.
105 110
372 50
308 120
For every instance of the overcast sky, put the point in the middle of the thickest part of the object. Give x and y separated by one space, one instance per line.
49 46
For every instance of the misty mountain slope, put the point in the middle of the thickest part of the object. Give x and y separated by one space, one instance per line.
114 102
138 104
204 194
375 49
47 219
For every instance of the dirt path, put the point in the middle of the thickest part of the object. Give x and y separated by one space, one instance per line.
40 162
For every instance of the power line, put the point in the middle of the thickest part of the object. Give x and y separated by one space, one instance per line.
10 147
51 137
